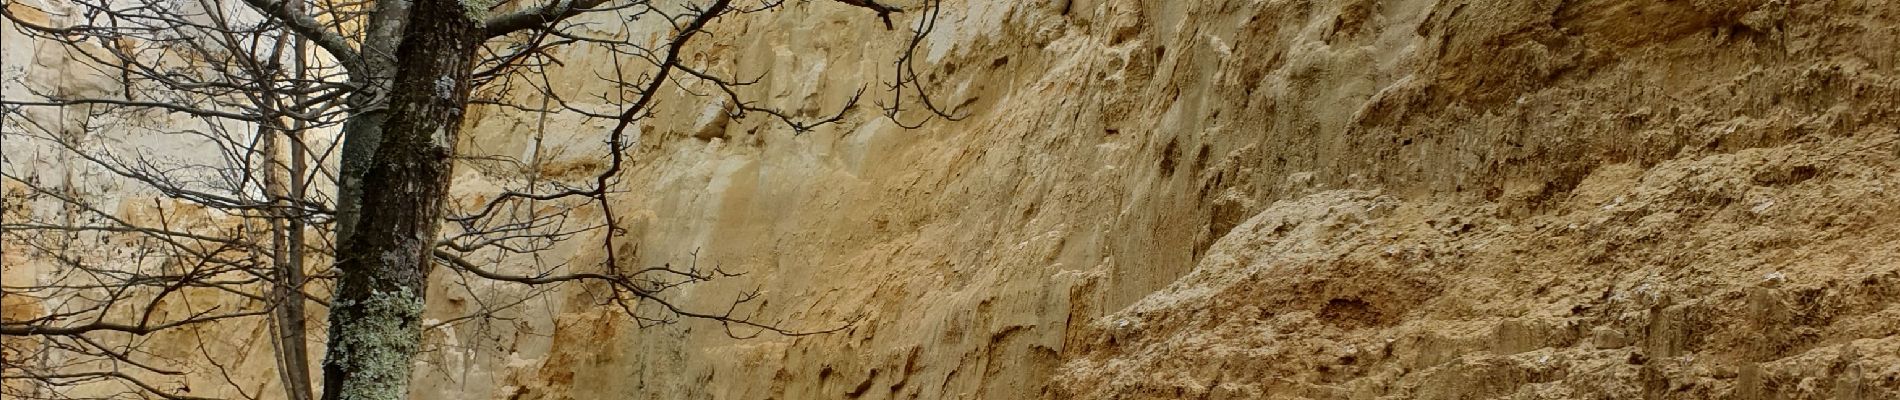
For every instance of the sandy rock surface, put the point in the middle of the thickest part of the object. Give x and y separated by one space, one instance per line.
1243 199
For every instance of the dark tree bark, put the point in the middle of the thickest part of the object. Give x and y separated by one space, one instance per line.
375 325
363 131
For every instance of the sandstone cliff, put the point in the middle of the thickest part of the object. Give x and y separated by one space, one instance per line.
1259 199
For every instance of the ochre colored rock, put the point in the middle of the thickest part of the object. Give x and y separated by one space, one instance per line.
1159 199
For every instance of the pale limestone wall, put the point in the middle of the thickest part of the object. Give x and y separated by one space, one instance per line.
210 355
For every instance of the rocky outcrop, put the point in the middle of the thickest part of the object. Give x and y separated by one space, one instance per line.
1764 273
1476 199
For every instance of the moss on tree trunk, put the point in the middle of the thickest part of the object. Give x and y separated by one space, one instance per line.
375 322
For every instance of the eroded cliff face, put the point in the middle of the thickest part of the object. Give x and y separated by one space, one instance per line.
1419 199
1252 199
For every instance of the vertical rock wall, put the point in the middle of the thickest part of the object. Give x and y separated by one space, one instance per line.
1419 199
1111 143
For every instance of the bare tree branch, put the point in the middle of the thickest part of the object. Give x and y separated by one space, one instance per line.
314 31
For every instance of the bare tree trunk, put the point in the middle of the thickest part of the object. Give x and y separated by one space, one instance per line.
363 131
296 328
291 318
376 316
287 317
362 134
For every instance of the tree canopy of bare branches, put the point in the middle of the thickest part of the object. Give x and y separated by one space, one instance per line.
279 159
